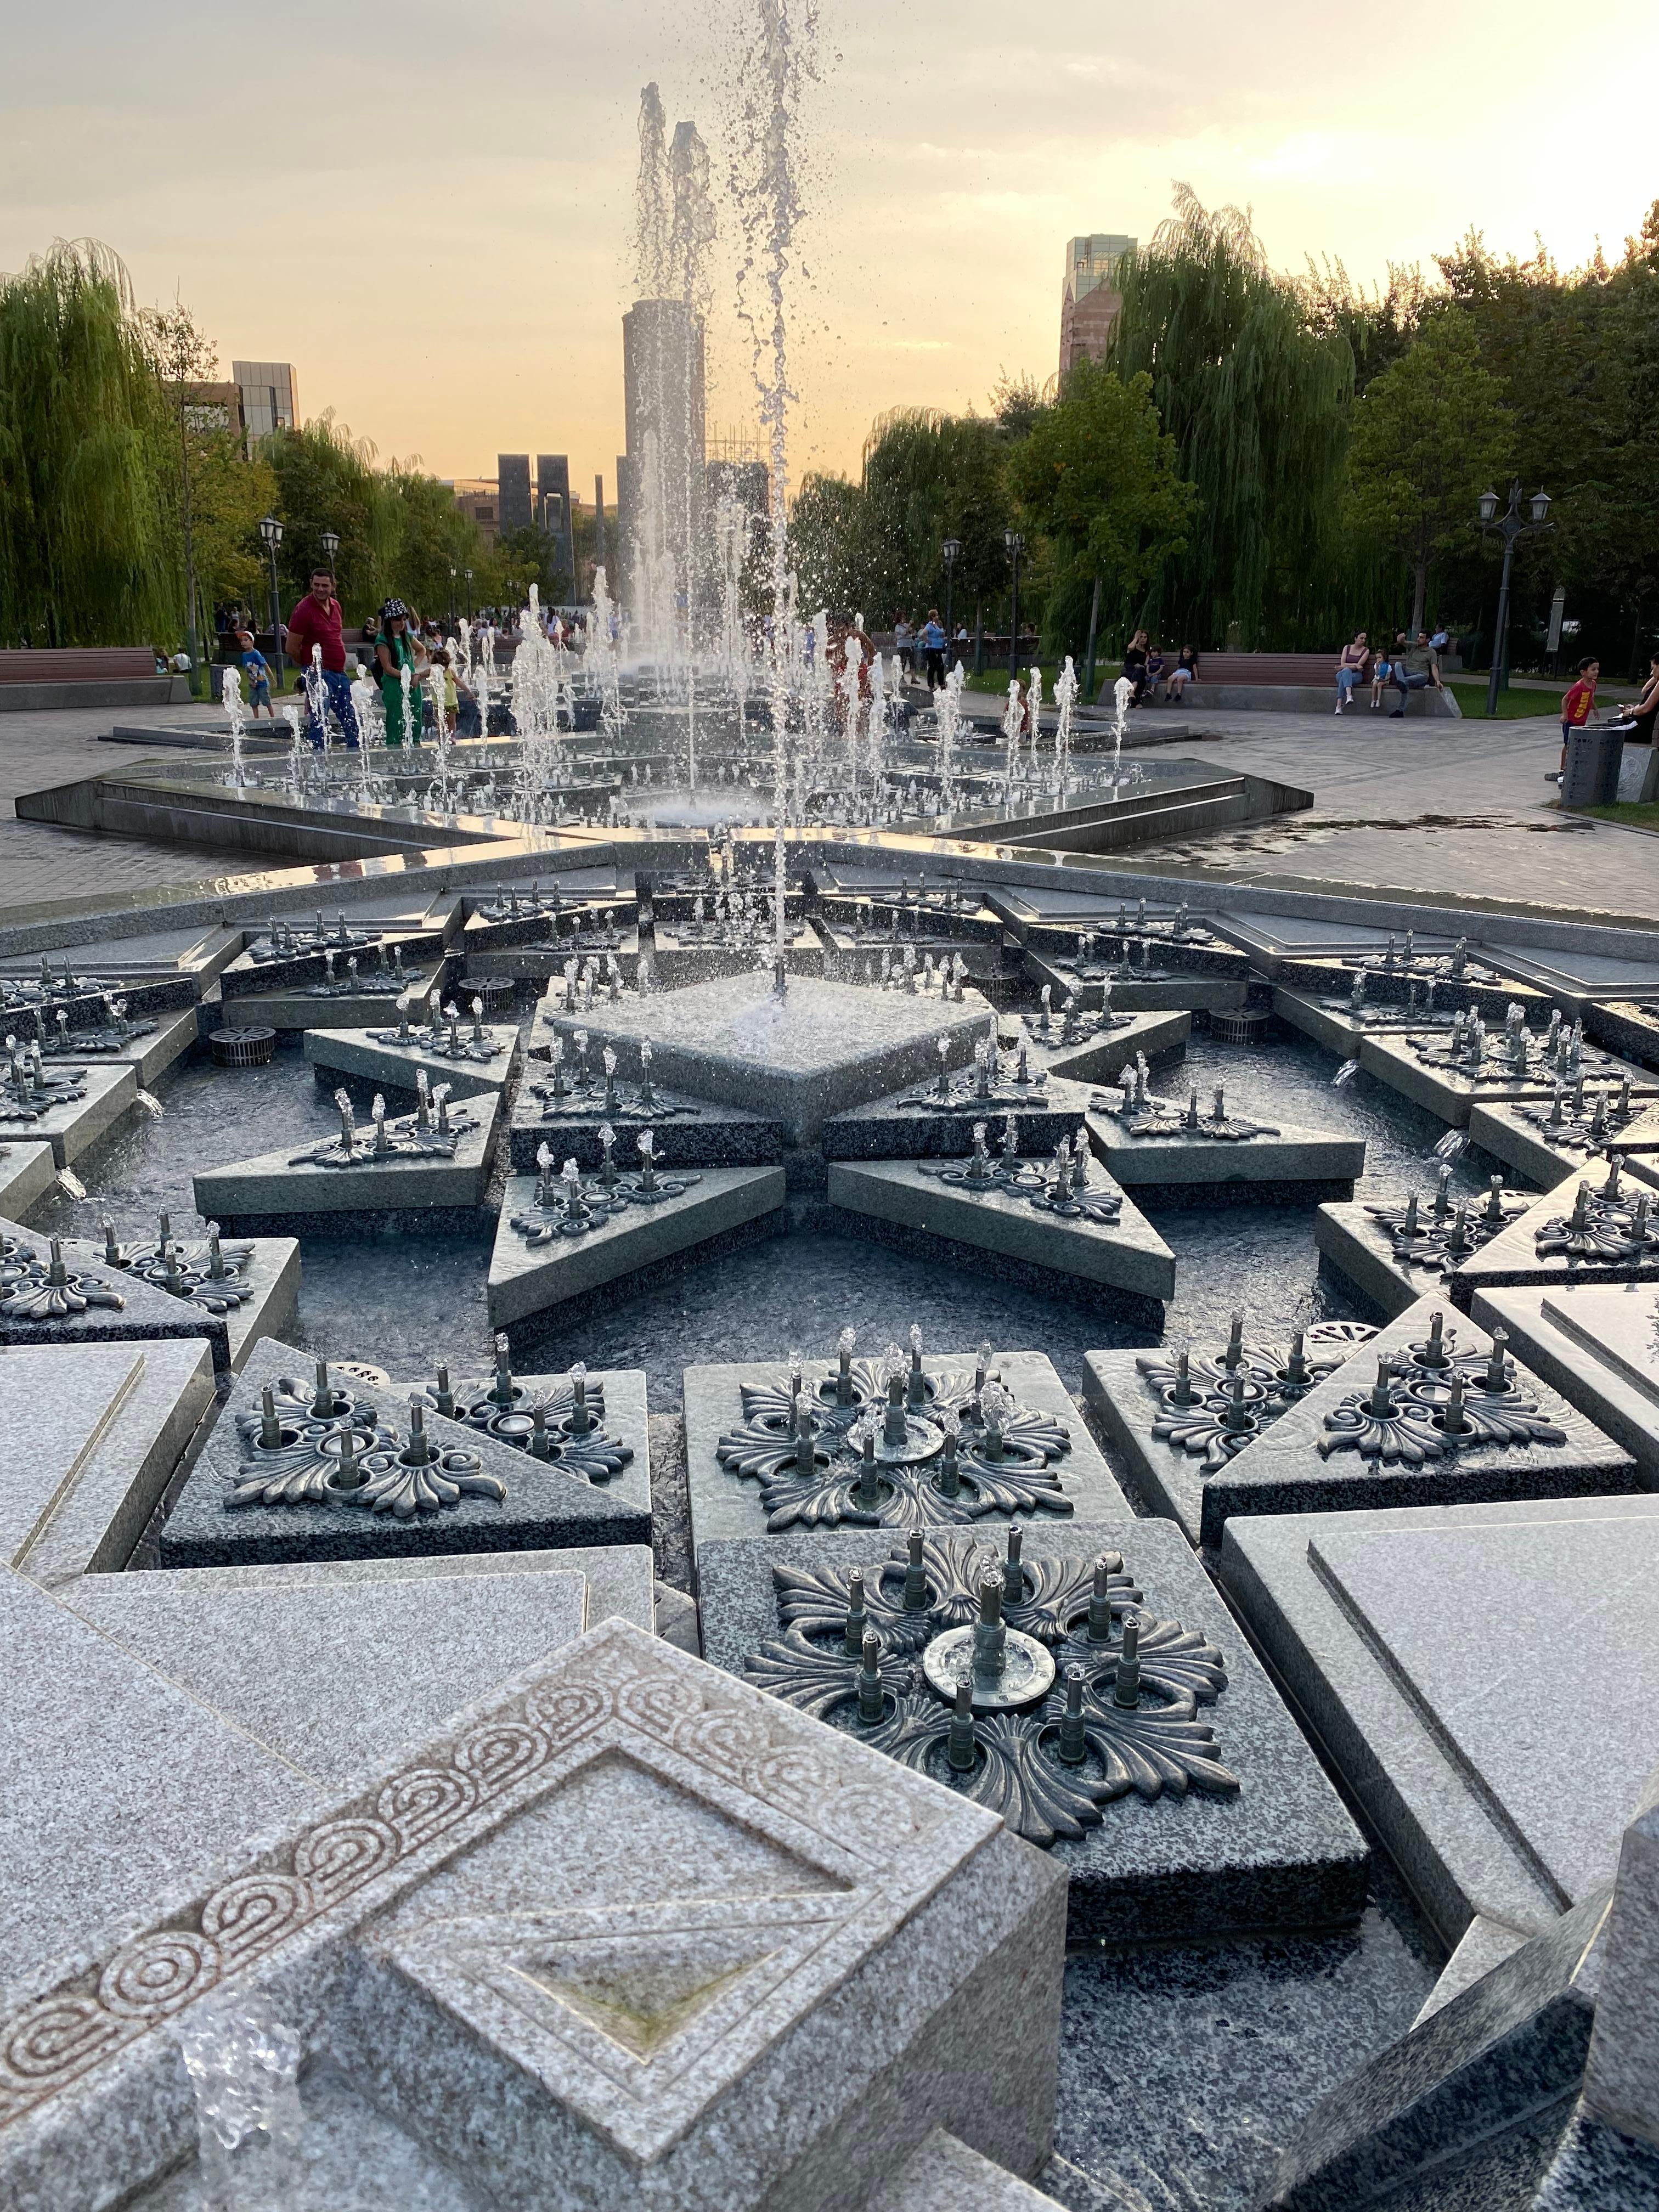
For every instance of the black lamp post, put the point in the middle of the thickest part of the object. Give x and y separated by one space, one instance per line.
469 594
1511 529
330 547
951 550
451 595
271 531
1016 545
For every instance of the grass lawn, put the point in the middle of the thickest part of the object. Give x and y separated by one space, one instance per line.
1513 705
1630 815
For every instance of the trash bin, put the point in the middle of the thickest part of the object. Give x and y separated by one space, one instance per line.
1594 755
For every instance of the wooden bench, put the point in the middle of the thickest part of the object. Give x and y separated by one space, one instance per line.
87 676
1291 683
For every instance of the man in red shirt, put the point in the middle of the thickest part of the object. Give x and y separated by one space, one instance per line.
1576 707
316 621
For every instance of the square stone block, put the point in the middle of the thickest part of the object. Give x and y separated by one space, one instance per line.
679 957
1159 987
1240 1831
373 1057
1238 1157
162 1039
628 2024
256 1294
508 1501
824 1047
1404 1637
1170 1452
1524 1141
1326 1453
91 1101
94 1303
1049 1463
1123 1252
289 1190
1562 1240
529 1272
1390 1274
1598 1346
1329 1023
1452 1094
107 1425
302 1008
28 1173
686 1132
920 1124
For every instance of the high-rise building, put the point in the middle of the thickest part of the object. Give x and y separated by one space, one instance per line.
660 492
269 397
1089 302
555 511
517 510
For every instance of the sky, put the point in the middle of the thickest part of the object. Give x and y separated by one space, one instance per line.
429 211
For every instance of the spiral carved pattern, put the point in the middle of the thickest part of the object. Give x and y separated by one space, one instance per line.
341 1856
157 1974
424 1802
247 1915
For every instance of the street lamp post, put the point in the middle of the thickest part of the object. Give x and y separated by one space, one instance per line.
271 531
951 550
451 595
1016 545
469 594
330 547
1511 529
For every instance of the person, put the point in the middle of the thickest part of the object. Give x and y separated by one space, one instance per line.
452 694
932 646
394 651
1156 667
963 641
255 674
1579 705
1415 669
316 621
904 644
1382 675
1184 673
1645 709
1134 666
1350 668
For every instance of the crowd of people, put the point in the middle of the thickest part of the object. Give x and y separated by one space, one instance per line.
1403 667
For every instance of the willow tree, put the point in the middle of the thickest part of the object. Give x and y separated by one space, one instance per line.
85 553
1257 400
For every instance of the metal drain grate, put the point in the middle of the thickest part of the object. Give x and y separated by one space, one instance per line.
1238 1028
252 1048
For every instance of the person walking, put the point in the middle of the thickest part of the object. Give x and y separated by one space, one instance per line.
1350 668
932 646
255 674
316 621
394 651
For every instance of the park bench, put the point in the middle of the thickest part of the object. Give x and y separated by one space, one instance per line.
87 676
1287 682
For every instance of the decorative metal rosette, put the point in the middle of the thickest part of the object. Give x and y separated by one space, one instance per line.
29 1089
407 1138
1436 1402
206 1273
551 1422
1210 1406
326 1446
1447 1231
1068 1695
1605 1227
37 1288
1161 1117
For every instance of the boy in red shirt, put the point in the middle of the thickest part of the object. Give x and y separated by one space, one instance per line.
1578 704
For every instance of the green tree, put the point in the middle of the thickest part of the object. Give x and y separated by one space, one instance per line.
327 481
1097 477
1429 435
213 494
84 552
826 528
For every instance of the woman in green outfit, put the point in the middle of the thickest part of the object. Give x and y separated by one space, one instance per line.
394 651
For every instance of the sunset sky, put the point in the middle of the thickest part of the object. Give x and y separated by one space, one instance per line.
427 210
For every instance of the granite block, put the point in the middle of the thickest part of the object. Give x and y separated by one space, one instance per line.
501 1406
619 1577
1267 1165
1338 1027
257 1291
1621 2076
1452 1094
1462 1852
1125 1253
107 1425
943 2175
299 1009
73 1123
915 1125
283 1186
1585 1346
1103 1056
1391 1275
1507 1133
167 1038
114 1780
339 1055
686 1132
562 2020
679 958
104 1305
1485 1944
824 1047
1533 1445
542 1507
530 1273
28 1173
1277 1851
1132 994
1051 1466
1549 1247
1130 1393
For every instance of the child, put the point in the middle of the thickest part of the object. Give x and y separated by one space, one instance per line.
1382 674
255 674
1579 705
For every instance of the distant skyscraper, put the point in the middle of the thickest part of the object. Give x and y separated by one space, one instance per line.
1089 302
554 507
270 400
516 508
660 495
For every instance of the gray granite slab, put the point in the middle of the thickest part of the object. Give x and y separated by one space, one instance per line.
1124 1254
106 1304
1618 1325
619 1577
1286 1472
107 1425
544 1508
1563 1764
1389 1275
1485 1944
115 1778
916 1125
632 2022
1460 1852
299 1009
527 1277
1280 1163
1278 1852
167 1038
1524 1141
824 1047
1103 1056
1338 1027
1453 1095
686 1132
728 1505
620 1391
1621 2075
1132 994
1572 1361
280 1188
334 1676
678 958
74 1124
259 1290
335 1054
1542 1250
943 2175
28 1173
